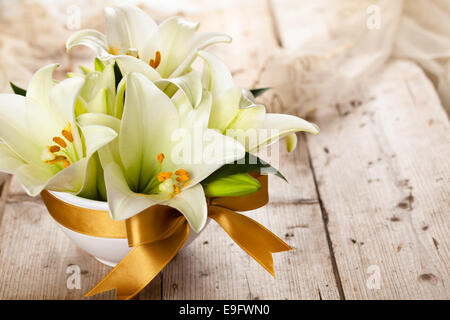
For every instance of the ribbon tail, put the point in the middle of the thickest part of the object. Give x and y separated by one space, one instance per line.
251 236
141 265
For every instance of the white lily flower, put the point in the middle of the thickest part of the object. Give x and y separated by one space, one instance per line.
162 51
40 141
140 166
234 112
98 94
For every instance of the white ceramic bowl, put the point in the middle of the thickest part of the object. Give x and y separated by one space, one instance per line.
108 251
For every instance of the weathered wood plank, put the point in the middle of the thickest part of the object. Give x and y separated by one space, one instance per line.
390 208
382 169
213 267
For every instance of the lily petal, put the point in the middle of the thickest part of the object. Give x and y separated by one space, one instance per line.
225 108
41 84
216 150
124 203
198 117
192 204
9 160
89 119
100 103
189 84
73 178
32 178
216 76
63 98
128 64
14 125
278 126
248 118
96 136
177 43
291 142
199 42
89 38
148 113
127 27
70 179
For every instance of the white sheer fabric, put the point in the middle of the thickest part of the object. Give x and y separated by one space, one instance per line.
344 40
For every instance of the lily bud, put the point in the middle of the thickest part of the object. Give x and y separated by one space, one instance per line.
239 184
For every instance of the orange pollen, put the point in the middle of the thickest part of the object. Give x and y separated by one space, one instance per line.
186 184
60 141
176 189
162 176
66 163
54 149
181 172
183 178
68 135
155 63
59 159
160 157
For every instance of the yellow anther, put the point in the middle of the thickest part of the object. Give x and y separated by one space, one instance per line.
113 51
176 189
60 141
183 178
66 163
162 176
160 157
58 159
68 135
181 172
54 149
186 184
155 63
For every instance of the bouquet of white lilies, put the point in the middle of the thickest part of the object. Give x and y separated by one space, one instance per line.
143 128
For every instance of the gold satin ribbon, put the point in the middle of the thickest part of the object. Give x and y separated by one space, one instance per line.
159 232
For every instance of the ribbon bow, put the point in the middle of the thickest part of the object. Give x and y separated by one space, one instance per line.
159 232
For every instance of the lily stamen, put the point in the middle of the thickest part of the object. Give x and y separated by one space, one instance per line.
162 176
167 183
181 172
113 50
60 141
183 178
49 154
155 63
57 159
54 149
160 157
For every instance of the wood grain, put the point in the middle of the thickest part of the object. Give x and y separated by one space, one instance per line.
389 209
382 170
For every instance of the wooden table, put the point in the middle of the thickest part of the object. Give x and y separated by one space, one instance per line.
366 210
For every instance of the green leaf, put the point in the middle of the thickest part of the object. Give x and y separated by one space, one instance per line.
233 185
117 74
250 163
99 65
258 91
18 90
